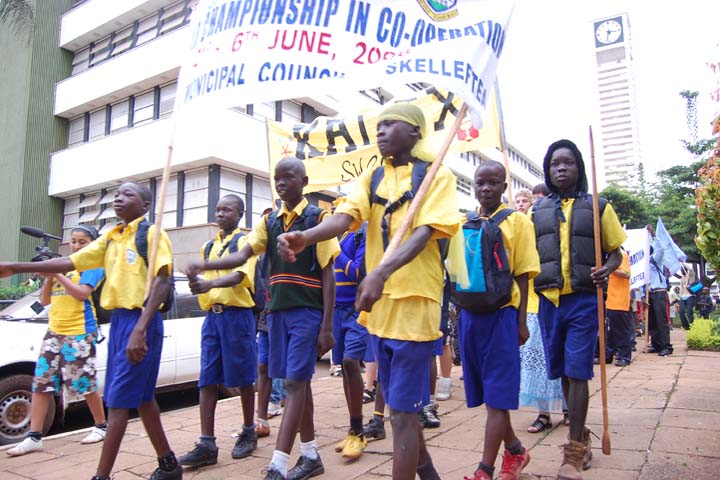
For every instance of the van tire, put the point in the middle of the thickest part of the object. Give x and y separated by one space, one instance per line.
15 399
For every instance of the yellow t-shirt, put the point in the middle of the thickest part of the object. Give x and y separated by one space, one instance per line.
519 241
69 316
325 250
419 283
613 236
125 270
239 295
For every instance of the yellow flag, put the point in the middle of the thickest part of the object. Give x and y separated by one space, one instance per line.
337 150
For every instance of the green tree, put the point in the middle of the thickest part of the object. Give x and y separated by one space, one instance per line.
19 16
631 208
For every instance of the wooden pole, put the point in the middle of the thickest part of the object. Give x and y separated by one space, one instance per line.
504 146
152 257
647 318
600 300
424 186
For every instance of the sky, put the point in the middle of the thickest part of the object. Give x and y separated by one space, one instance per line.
546 74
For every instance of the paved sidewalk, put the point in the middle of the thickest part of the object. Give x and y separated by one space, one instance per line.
664 424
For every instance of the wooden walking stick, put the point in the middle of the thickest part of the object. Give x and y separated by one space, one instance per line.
425 185
600 300
152 255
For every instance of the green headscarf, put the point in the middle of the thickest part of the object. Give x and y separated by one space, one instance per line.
413 115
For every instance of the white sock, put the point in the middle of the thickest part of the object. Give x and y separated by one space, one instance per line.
445 381
309 449
280 461
432 399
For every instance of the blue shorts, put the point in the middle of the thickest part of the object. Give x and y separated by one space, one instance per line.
262 347
490 358
569 333
403 372
128 385
293 336
227 349
350 336
438 346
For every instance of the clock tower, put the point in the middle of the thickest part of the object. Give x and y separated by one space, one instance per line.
617 139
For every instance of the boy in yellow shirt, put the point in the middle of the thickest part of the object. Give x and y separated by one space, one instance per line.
302 297
136 337
228 352
489 339
403 294
567 285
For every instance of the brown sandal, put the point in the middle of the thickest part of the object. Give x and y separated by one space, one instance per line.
542 422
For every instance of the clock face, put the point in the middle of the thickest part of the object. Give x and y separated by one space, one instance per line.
607 32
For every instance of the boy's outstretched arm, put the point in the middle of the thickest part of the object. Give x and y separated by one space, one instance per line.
198 285
291 243
523 332
326 339
233 260
370 290
54 265
600 275
137 345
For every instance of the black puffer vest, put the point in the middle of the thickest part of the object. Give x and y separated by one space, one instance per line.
582 246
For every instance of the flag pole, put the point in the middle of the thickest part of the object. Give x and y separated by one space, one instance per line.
503 145
160 210
424 186
600 300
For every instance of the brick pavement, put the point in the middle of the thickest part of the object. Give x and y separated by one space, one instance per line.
664 424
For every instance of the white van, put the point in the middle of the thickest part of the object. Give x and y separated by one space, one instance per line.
21 332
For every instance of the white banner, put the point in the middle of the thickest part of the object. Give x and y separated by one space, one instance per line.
249 51
637 247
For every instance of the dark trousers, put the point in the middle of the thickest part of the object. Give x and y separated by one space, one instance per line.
621 333
659 328
686 312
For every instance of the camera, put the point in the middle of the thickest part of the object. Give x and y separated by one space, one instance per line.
42 251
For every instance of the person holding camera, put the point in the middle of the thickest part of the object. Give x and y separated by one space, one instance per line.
67 354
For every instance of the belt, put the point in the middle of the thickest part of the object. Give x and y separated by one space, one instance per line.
220 308
658 290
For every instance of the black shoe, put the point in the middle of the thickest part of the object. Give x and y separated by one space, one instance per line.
651 349
201 455
160 474
273 475
245 444
306 468
428 416
375 429
665 352
621 362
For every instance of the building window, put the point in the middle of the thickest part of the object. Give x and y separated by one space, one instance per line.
167 99
76 131
262 198
119 119
130 36
143 108
170 207
464 185
195 201
97 124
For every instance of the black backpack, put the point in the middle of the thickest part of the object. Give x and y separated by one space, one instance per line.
102 316
419 169
141 244
488 267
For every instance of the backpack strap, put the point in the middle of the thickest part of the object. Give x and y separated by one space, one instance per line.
208 248
141 240
502 215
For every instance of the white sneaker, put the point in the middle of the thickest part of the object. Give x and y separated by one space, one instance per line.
96 435
274 409
26 446
443 389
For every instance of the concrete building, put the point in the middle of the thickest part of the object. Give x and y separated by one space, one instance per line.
116 102
617 140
